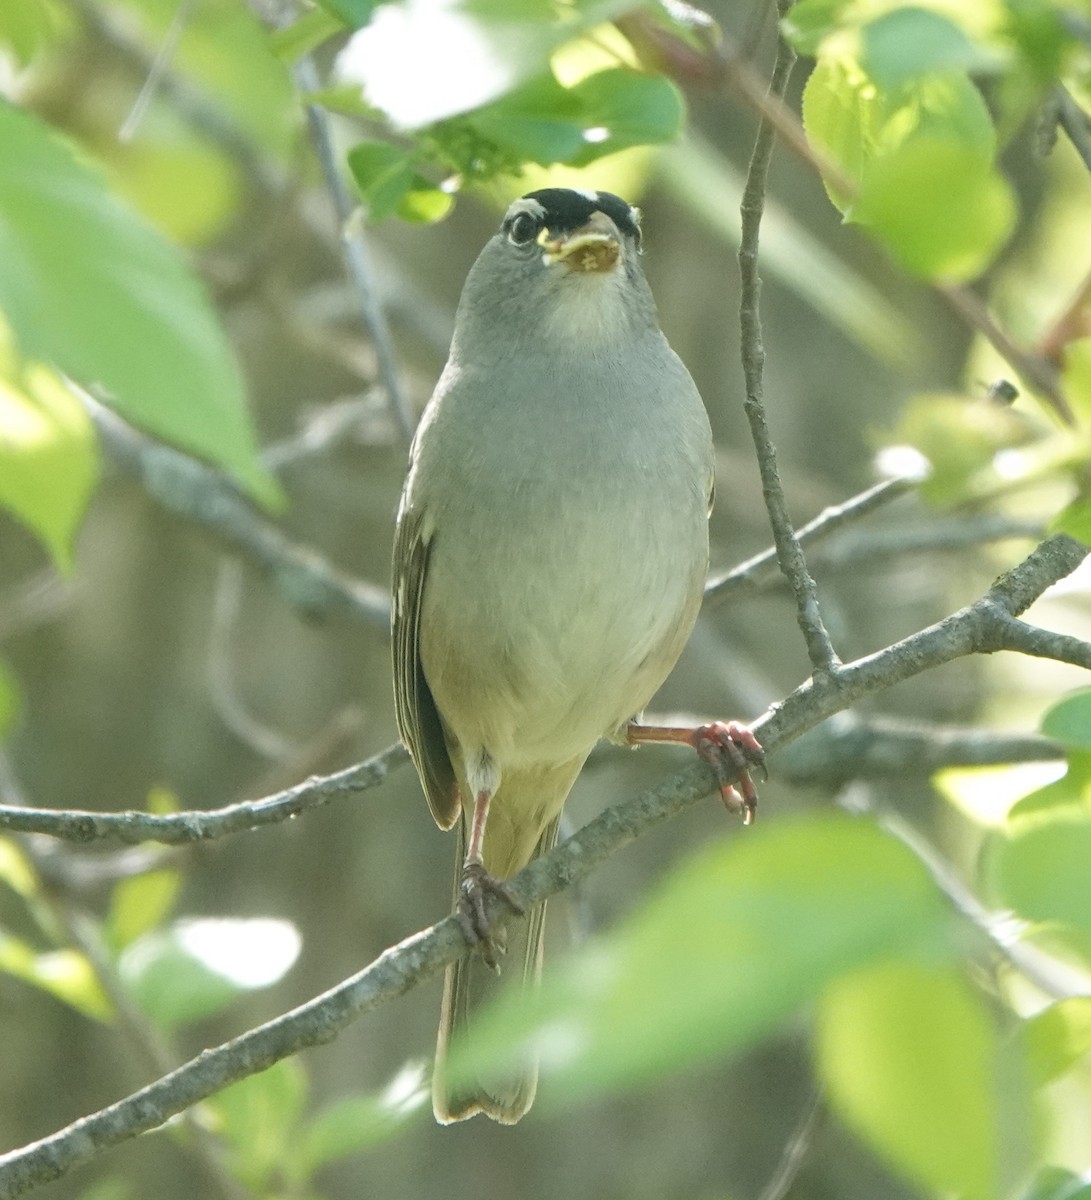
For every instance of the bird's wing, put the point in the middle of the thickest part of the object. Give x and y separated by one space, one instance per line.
418 718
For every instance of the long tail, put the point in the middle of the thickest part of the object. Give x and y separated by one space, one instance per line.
467 985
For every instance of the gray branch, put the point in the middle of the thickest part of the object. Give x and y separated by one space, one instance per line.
196 825
983 627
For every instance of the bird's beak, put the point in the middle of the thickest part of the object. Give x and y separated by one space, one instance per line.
593 248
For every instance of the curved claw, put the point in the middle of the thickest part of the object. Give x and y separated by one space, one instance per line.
732 751
474 887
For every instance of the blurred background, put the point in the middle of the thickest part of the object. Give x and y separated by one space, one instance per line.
166 669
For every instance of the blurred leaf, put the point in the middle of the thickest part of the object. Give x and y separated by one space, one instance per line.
1071 791
1069 721
358 1122
156 176
810 22
64 974
48 454
9 689
540 121
1058 1039
170 983
960 439
910 1061
112 1188
422 61
16 870
88 287
909 42
353 13
26 28
306 33
630 108
751 929
258 1118
388 184
1076 377
1056 1183
1075 520
162 800
140 904
941 210
1043 868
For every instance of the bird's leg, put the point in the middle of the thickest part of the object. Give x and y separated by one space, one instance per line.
476 884
729 748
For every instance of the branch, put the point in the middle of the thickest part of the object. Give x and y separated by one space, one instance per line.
981 627
789 554
178 828
185 486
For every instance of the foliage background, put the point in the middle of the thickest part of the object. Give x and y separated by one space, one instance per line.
160 667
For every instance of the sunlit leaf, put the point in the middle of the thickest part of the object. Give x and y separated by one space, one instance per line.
64 974
26 28
91 289
940 210
138 905
1076 377
421 61
751 929
1071 791
911 1061
48 455
15 869
1059 1038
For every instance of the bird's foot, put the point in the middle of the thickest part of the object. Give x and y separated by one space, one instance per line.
732 751
475 886
729 748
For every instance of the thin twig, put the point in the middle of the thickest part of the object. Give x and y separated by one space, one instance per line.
355 252
828 521
795 1152
789 555
195 825
978 628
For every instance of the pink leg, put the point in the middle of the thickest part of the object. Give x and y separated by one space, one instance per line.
728 747
476 884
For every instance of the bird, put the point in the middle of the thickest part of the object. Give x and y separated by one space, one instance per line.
550 554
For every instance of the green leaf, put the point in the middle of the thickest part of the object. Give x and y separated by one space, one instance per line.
1057 1183
91 289
26 27
624 108
9 689
64 974
910 1061
383 176
940 209
199 965
810 22
1069 721
1071 793
421 62
1042 869
353 13
48 455
140 904
357 1122
539 122
751 929
1058 1039
1076 377
258 1118
306 33
1075 520
16 870
909 42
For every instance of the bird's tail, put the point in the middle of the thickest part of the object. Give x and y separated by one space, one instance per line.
467 985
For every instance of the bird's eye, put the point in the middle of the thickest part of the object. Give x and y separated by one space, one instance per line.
523 228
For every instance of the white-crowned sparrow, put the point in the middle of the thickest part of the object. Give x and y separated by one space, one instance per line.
549 561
